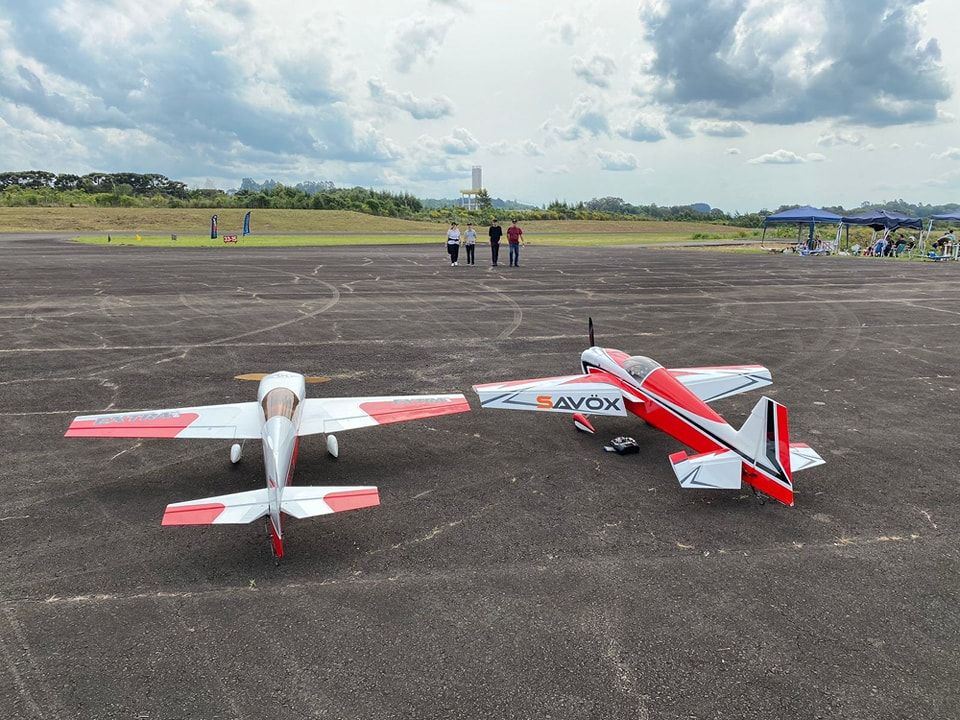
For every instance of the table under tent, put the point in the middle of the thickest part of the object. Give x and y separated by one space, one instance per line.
952 220
882 223
810 217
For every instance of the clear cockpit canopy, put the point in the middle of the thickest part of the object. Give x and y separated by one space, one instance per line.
640 366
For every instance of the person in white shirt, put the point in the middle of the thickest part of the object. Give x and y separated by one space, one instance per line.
453 243
470 243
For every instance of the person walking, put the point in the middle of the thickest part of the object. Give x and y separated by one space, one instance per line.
453 244
495 232
515 237
470 243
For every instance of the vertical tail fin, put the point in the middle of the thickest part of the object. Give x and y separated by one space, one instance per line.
765 440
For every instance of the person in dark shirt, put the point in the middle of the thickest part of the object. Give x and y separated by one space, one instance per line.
495 233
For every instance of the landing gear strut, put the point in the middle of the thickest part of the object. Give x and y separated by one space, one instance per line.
758 497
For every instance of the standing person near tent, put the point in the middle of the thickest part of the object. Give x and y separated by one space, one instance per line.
453 244
515 237
470 243
495 232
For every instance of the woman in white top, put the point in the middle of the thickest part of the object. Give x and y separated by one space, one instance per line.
453 243
470 243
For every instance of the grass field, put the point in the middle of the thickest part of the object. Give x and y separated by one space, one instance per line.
195 222
557 239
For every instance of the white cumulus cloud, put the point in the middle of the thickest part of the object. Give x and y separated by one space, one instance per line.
641 129
459 142
951 153
721 128
419 39
777 157
617 161
420 108
596 69
834 139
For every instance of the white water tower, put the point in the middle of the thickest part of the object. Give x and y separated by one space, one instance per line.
468 198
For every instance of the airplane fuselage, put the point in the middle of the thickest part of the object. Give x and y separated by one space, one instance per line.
280 396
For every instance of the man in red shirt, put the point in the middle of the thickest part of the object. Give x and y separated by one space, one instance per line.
515 237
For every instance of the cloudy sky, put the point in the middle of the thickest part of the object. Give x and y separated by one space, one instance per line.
738 103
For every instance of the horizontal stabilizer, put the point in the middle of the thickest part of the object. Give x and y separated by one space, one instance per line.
238 508
721 469
803 457
302 502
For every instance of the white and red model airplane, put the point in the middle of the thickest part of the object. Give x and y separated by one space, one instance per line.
281 415
760 454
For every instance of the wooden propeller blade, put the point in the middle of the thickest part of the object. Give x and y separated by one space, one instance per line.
309 379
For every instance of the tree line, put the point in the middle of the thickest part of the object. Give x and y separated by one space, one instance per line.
42 188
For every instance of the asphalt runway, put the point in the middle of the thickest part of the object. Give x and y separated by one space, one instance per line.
513 569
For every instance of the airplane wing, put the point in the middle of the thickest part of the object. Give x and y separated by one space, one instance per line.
596 394
715 383
328 415
236 421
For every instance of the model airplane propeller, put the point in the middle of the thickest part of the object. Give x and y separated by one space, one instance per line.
281 415
675 401
308 379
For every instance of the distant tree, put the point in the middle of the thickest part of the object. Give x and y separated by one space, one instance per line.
483 199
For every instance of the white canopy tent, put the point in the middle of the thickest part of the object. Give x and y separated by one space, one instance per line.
954 218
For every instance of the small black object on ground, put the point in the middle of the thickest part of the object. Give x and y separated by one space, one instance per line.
623 446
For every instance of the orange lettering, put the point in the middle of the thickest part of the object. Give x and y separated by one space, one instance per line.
544 402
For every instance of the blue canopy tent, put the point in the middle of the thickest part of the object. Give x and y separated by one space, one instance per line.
883 220
886 220
801 216
951 217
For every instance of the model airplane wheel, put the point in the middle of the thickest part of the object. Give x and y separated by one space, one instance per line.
236 450
333 447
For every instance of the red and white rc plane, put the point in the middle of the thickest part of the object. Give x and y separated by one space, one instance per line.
759 454
281 415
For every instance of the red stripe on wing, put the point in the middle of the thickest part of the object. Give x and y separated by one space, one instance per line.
391 411
352 499
192 514
132 426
